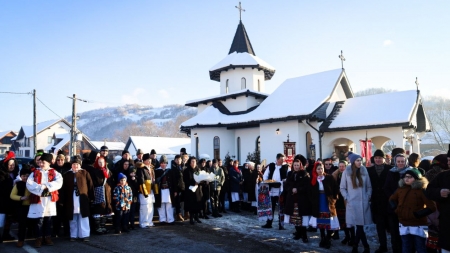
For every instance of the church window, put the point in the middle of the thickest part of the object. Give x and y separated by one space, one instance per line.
258 144
239 149
216 144
197 146
308 144
259 86
243 83
226 87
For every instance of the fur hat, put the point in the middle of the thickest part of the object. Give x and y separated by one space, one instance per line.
75 159
104 148
46 157
353 157
301 158
122 176
415 173
183 150
139 151
163 159
397 151
146 156
24 171
379 153
139 165
125 152
152 152
60 152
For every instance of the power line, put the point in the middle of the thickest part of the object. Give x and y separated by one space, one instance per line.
49 108
23 93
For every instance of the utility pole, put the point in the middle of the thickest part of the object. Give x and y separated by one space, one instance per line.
73 131
34 123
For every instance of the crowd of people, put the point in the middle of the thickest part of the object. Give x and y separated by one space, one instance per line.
404 197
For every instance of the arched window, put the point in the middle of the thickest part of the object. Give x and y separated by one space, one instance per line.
259 86
197 146
243 83
258 144
239 149
216 145
226 87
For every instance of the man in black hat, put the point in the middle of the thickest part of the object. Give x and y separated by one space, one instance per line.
139 155
155 161
378 173
183 151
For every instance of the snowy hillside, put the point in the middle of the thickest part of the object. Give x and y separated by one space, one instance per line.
113 121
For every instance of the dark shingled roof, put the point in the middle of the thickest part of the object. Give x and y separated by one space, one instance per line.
241 42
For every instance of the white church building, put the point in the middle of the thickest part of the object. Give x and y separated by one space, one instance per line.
314 115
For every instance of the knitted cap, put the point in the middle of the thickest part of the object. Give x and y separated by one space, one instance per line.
415 173
353 158
121 176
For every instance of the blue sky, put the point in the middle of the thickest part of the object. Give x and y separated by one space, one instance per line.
159 52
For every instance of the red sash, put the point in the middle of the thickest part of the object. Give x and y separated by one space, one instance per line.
35 199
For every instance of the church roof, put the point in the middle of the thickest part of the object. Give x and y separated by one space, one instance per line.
224 97
298 97
241 60
371 112
241 42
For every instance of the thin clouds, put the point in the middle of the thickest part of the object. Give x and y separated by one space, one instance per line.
133 98
387 43
163 93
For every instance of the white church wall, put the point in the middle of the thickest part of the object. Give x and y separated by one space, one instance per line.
234 77
206 141
271 142
394 134
248 138
238 104
338 94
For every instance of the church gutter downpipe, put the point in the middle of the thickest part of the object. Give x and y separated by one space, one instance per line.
320 136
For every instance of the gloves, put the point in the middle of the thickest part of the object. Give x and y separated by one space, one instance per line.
422 213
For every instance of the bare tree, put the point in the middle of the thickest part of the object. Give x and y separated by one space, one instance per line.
372 91
438 112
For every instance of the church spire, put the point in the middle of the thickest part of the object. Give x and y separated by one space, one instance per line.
241 42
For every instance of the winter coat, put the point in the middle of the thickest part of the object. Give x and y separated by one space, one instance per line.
235 180
301 181
226 181
122 197
250 186
192 200
379 200
171 184
85 187
340 203
391 184
409 199
331 191
6 185
245 177
133 184
217 184
98 180
358 206
177 175
434 193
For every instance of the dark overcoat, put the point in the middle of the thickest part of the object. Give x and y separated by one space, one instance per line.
192 200
301 181
434 193
86 189
379 200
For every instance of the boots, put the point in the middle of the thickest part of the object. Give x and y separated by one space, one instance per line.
191 220
268 224
48 241
103 224
328 239
304 234
335 235
179 217
351 242
298 233
347 236
38 242
196 218
97 228
186 216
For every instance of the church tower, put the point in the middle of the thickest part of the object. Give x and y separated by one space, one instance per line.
241 69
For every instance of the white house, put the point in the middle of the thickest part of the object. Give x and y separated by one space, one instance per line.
162 145
313 115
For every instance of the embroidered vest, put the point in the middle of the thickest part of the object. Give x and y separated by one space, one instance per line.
35 199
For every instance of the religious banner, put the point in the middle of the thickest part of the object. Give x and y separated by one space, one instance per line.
289 151
366 150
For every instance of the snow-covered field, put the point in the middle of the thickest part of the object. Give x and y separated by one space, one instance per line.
247 224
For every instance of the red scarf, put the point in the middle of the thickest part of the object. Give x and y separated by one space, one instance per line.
104 169
35 199
237 169
314 173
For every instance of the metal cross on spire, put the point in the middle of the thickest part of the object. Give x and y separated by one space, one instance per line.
240 10
341 56
417 84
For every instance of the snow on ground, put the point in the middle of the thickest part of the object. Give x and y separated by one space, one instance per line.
247 224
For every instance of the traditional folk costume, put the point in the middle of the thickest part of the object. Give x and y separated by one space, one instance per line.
77 195
235 186
144 175
122 198
102 179
43 185
163 200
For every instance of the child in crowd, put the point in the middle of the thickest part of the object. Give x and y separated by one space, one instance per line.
412 207
21 193
122 200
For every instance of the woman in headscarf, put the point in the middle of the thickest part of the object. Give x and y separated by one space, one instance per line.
323 192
